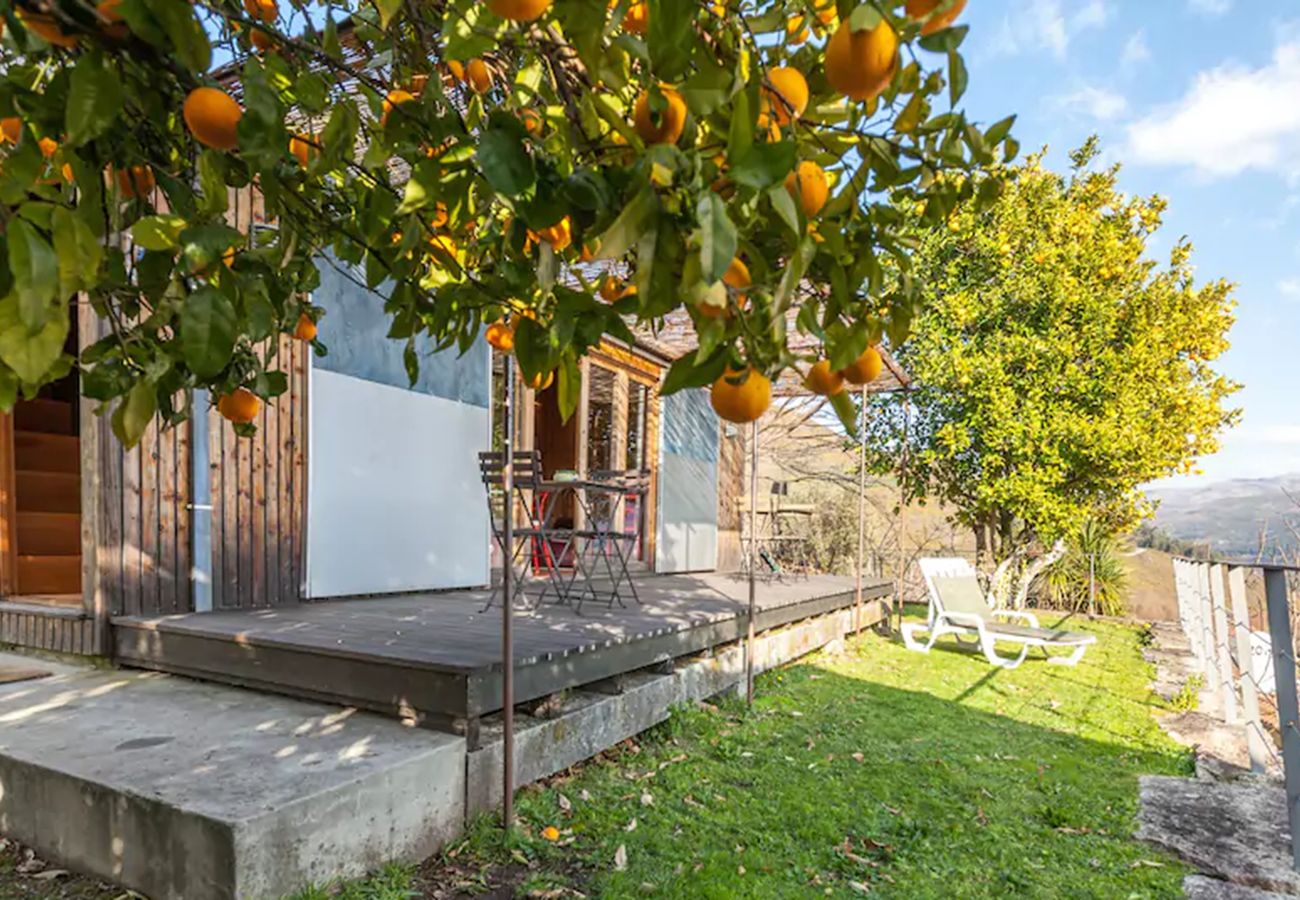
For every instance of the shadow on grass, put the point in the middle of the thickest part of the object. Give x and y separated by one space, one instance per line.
868 773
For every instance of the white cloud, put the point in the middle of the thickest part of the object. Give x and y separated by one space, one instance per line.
1289 288
1232 119
1094 102
1136 49
1049 25
1210 7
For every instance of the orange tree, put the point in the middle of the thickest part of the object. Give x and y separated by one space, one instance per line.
479 163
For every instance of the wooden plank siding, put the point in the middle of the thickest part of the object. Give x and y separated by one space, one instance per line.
53 630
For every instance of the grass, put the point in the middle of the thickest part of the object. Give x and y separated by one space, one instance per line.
878 771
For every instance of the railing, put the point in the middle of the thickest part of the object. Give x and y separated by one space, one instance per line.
1206 610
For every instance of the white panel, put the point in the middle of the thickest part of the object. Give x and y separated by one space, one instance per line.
688 485
395 500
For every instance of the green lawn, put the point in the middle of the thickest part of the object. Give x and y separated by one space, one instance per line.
881 770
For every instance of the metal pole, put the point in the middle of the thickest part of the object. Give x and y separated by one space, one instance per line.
1279 627
1213 677
1092 584
902 511
753 560
1249 695
507 608
1222 653
862 512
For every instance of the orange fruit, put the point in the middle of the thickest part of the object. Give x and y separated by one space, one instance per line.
786 91
501 336
213 116
263 41
305 330
825 11
134 181
478 76
439 215
808 185
559 235
11 129
551 833
741 401
444 249
46 27
861 65
240 406
532 121
48 146
671 121
610 289
919 9
395 98
865 369
796 30
541 381
824 381
737 276
457 69
264 10
637 18
519 10
110 14
304 148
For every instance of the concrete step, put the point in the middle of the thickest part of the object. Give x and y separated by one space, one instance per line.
176 788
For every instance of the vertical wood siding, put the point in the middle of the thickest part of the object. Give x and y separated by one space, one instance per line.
55 631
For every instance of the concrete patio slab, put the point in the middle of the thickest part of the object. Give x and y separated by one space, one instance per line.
183 789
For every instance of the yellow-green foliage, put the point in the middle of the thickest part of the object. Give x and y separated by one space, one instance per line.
1059 366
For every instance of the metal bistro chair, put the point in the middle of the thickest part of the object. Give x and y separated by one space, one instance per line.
526 478
612 535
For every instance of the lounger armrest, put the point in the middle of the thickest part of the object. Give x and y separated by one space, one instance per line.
1030 619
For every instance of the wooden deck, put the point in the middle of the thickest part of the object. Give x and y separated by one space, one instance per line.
436 657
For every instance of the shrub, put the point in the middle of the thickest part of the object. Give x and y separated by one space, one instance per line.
1093 554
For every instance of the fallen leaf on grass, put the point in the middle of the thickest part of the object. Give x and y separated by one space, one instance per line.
740 870
646 799
860 887
859 757
890 809
691 801
50 874
1138 863
630 826
620 858
566 805
585 795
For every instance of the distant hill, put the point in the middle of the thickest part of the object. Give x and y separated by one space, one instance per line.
1232 515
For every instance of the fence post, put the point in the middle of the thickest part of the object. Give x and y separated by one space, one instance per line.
1279 627
1249 694
1223 651
1184 607
1207 626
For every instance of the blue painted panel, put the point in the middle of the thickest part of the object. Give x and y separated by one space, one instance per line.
355 329
690 426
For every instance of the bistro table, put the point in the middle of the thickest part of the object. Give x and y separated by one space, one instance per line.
601 530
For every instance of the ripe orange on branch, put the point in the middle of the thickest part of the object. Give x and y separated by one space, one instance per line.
861 64
11 129
519 10
304 148
865 369
240 406
305 330
824 381
808 185
478 76
667 129
263 10
785 91
501 336
134 181
919 9
395 98
212 116
741 397
46 27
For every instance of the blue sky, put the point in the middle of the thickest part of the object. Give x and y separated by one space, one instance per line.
1200 101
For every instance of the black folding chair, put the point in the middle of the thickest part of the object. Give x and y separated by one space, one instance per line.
534 535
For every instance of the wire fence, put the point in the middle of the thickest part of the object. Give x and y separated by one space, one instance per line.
1247 656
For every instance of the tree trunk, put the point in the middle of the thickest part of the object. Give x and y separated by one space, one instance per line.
1033 570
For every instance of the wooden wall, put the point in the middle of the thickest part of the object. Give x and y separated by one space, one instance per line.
259 490
55 630
733 494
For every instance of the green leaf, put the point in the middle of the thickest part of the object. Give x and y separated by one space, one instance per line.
31 353
740 134
387 9
569 386
637 218
35 272
208 327
847 411
717 237
94 99
503 158
957 76
795 268
132 417
212 183
671 37
708 88
784 206
685 372
78 251
864 18
159 232
945 41
998 130
186 34
763 165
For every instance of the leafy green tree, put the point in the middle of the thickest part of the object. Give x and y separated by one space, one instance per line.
1058 366
733 158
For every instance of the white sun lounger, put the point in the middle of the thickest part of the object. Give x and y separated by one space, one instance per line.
958 607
